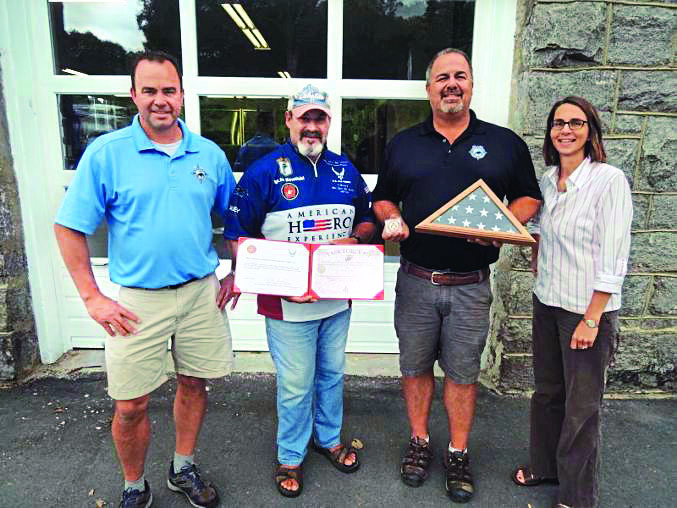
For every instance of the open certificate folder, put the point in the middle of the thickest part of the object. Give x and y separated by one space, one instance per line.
324 271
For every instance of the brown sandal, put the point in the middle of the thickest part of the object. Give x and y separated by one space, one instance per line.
338 456
284 473
530 479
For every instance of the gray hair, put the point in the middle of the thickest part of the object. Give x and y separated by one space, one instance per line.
446 51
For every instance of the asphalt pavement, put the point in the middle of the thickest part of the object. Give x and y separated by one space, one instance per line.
56 449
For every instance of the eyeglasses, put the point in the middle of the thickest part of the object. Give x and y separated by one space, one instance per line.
574 124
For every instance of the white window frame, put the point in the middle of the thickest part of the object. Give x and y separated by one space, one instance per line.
30 89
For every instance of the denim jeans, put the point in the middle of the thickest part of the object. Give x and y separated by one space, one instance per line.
309 357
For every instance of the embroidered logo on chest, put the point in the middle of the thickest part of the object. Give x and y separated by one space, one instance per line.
477 152
289 191
284 166
200 174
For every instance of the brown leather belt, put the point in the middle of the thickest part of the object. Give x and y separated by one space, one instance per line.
172 286
444 278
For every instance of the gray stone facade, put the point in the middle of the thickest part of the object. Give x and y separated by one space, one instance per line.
18 338
622 58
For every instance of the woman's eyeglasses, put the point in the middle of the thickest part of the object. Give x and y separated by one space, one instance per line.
574 124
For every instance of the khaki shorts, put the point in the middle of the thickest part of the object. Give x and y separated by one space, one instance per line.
199 332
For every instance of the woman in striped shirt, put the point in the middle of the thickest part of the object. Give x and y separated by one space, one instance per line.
580 263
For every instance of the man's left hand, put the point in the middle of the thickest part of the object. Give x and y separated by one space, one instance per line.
485 243
583 337
227 293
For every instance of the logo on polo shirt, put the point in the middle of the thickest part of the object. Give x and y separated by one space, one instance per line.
200 174
477 152
290 191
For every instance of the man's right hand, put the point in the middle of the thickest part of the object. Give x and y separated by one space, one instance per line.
395 230
112 316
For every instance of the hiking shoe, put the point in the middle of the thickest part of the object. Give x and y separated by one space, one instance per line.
132 498
187 480
416 462
459 484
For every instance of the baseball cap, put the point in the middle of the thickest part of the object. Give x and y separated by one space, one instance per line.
309 97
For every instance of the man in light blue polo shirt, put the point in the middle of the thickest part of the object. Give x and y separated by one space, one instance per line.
156 184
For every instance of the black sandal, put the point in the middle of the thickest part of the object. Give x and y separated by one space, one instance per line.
416 462
337 457
284 473
530 479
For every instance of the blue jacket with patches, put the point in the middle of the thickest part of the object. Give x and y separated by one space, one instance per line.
284 196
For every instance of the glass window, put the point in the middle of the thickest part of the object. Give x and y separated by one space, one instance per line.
390 39
262 38
246 128
97 38
368 125
84 117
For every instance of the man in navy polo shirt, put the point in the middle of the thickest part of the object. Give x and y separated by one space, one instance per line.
446 319
302 192
156 184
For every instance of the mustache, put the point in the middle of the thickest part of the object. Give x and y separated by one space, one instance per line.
311 134
451 91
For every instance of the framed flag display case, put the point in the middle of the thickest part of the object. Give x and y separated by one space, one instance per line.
476 213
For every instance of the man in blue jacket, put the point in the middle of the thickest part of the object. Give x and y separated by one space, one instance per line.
302 192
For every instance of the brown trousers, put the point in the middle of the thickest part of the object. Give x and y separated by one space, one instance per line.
565 406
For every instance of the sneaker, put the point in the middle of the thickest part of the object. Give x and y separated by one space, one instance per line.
459 483
416 462
188 481
132 498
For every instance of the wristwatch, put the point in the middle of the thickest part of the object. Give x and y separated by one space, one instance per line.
590 323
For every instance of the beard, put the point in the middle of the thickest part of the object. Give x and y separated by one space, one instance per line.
452 108
312 151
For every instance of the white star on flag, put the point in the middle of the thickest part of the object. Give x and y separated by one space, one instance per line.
486 199
455 208
495 228
483 212
451 220
472 197
498 215
466 223
469 209
480 226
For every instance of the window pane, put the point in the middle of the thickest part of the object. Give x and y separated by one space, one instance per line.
84 117
97 38
396 39
368 125
293 37
255 122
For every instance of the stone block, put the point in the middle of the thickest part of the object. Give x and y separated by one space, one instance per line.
641 35
643 90
645 359
657 162
555 38
516 373
622 153
653 252
640 210
3 308
633 294
664 298
7 361
536 150
664 212
546 88
628 124
515 335
659 323
515 289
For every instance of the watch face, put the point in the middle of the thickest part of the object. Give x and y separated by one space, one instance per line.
591 323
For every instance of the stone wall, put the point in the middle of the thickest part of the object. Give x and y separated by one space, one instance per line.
18 338
621 56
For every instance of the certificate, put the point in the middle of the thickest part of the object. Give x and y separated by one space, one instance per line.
343 271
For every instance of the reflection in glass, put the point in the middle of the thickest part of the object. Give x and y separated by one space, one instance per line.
391 39
368 125
98 38
262 38
85 117
250 125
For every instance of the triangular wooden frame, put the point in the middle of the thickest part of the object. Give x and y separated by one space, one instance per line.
428 226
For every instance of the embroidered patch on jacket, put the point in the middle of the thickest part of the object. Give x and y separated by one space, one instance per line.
284 166
200 174
289 191
477 152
